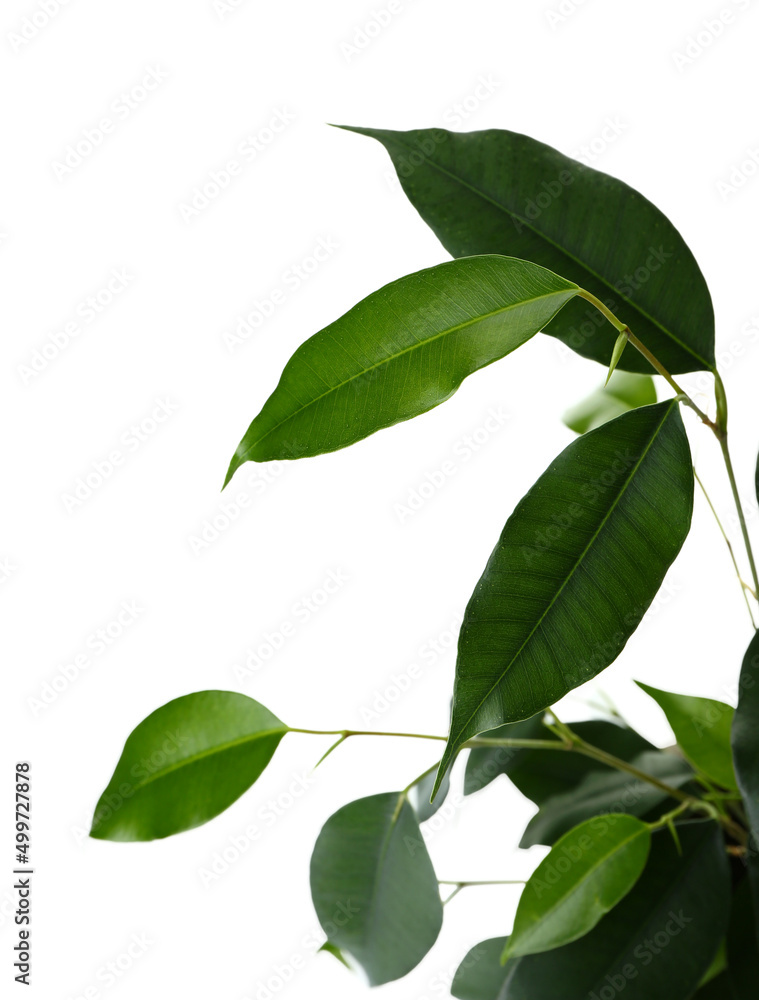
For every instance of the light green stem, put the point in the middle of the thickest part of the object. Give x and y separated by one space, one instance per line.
739 507
719 428
744 586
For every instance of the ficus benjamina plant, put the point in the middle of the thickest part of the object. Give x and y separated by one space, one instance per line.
651 884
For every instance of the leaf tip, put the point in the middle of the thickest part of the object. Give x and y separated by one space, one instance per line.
443 766
234 465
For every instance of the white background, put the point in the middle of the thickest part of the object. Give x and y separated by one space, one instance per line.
681 130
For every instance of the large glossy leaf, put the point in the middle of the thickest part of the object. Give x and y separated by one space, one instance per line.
625 391
655 945
602 793
745 743
502 192
374 888
401 351
577 565
702 729
540 774
586 874
184 764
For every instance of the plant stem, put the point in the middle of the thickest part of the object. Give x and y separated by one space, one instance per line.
569 742
518 744
345 733
465 885
484 742
579 744
667 818
652 360
719 428
744 586
416 781
722 436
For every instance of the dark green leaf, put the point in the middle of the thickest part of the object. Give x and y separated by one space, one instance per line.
540 774
586 874
655 945
400 352
606 792
501 192
702 729
742 947
419 796
714 989
374 888
185 763
624 392
745 743
719 964
576 567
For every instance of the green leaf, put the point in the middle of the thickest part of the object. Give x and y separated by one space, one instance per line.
576 567
655 945
619 346
745 745
742 947
540 774
184 764
419 796
587 872
502 192
481 975
702 728
333 950
624 392
374 888
400 352
604 792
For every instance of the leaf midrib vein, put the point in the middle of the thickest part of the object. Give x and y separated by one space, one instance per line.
571 573
566 252
209 752
417 346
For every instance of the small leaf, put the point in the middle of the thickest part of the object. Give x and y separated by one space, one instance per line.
587 872
656 944
702 729
419 796
540 774
502 192
624 392
576 567
619 346
332 949
184 764
603 792
374 888
400 352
